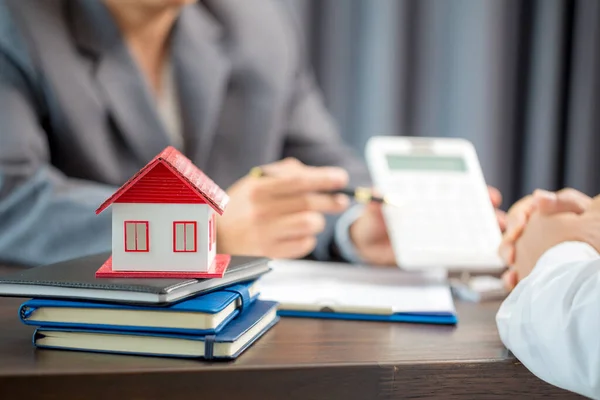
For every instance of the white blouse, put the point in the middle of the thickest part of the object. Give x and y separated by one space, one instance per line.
168 107
551 320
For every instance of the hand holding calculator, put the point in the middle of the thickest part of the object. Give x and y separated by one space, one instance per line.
443 216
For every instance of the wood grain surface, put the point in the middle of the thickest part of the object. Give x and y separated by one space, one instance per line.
297 359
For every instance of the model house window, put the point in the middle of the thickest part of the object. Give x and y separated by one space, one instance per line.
212 232
184 236
136 236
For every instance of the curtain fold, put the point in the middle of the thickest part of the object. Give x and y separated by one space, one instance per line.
519 78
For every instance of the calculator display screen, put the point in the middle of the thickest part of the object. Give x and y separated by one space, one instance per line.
398 162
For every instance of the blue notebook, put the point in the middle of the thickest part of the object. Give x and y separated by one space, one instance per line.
233 340
200 315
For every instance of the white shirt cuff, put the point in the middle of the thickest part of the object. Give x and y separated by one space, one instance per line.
566 253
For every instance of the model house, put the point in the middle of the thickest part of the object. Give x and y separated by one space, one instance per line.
163 218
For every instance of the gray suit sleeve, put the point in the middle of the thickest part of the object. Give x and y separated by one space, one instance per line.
44 216
313 138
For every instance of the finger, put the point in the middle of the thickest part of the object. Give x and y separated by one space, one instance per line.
323 203
515 224
296 226
510 279
545 202
519 213
308 179
282 166
495 196
565 200
516 221
501 217
506 251
295 248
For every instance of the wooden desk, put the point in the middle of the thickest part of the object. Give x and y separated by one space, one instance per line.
298 359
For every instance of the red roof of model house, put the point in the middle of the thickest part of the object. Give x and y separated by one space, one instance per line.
170 178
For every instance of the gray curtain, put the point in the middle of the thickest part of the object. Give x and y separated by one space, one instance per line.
519 78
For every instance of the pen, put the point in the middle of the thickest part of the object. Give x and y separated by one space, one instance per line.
360 194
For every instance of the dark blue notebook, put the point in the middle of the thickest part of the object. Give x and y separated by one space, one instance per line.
200 315
236 337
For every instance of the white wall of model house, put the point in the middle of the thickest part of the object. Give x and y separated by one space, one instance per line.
160 255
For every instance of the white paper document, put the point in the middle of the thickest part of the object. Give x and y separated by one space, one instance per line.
314 286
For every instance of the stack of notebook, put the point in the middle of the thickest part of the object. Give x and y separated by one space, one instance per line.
193 318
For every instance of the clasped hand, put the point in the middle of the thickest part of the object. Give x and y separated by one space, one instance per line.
542 220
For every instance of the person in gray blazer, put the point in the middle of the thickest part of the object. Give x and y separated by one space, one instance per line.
91 90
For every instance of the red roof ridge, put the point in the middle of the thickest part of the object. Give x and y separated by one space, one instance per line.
183 168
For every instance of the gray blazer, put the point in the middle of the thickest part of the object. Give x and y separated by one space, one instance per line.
77 119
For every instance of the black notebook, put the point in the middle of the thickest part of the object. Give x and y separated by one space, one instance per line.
75 279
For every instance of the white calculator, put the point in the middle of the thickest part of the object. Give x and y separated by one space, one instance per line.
441 215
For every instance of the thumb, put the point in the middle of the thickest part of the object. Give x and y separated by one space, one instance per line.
545 202
374 208
565 200
277 168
